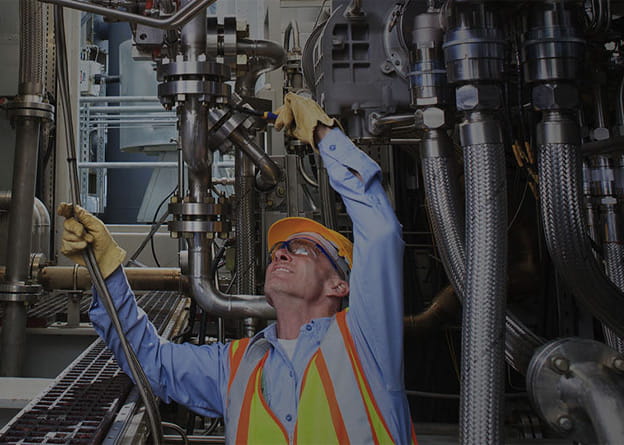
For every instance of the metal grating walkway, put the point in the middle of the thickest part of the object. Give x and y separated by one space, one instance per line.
80 406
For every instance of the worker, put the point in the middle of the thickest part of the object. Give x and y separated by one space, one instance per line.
319 374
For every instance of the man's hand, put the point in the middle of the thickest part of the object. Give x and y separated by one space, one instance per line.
300 117
81 229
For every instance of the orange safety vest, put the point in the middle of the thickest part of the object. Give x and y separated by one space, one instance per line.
336 403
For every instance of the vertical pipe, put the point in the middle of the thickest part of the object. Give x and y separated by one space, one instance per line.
23 187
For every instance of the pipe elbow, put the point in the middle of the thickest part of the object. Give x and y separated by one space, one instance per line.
215 302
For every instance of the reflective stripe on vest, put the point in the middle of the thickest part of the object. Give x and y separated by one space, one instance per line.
336 404
237 349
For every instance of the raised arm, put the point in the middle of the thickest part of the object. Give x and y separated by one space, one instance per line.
376 300
191 375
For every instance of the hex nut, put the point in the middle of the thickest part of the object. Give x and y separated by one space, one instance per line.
600 134
554 96
433 117
478 97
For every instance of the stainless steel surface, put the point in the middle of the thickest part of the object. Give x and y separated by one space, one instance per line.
182 16
212 300
564 222
23 186
578 390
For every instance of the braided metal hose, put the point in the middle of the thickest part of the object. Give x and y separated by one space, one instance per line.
614 255
31 47
482 376
447 221
564 227
245 242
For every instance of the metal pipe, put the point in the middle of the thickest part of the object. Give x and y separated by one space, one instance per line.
118 108
292 29
378 124
444 308
193 128
209 297
99 99
40 234
12 342
601 394
193 34
269 173
185 14
141 164
141 278
576 386
266 56
23 196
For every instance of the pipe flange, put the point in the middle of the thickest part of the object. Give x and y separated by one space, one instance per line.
206 90
21 108
207 227
219 71
196 209
20 292
553 364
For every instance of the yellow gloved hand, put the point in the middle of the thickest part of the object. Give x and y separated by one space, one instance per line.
82 228
300 116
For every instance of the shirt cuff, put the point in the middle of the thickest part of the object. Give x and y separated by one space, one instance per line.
337 148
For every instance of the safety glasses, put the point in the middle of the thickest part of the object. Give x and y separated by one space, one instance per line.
303 247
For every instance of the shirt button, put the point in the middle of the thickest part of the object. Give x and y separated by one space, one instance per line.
332 147
288 417
308 327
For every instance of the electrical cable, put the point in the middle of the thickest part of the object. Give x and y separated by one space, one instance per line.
177 429
159 223
138 375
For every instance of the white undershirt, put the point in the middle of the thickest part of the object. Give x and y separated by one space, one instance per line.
288 346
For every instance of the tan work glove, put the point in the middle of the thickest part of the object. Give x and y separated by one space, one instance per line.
300 116
82 228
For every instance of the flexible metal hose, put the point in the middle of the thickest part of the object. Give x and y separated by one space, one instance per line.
561 198
31 47
447 221
614 253
482 376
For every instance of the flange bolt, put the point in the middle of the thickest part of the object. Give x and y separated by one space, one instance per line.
565 423
560 364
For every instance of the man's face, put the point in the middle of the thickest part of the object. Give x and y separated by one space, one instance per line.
292 274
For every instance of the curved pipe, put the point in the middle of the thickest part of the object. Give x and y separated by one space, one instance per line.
292 29
267 55
40 225
186 13
563 219
447 220
269 172
444 308
211 299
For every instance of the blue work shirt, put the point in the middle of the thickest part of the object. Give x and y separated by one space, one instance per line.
197 376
